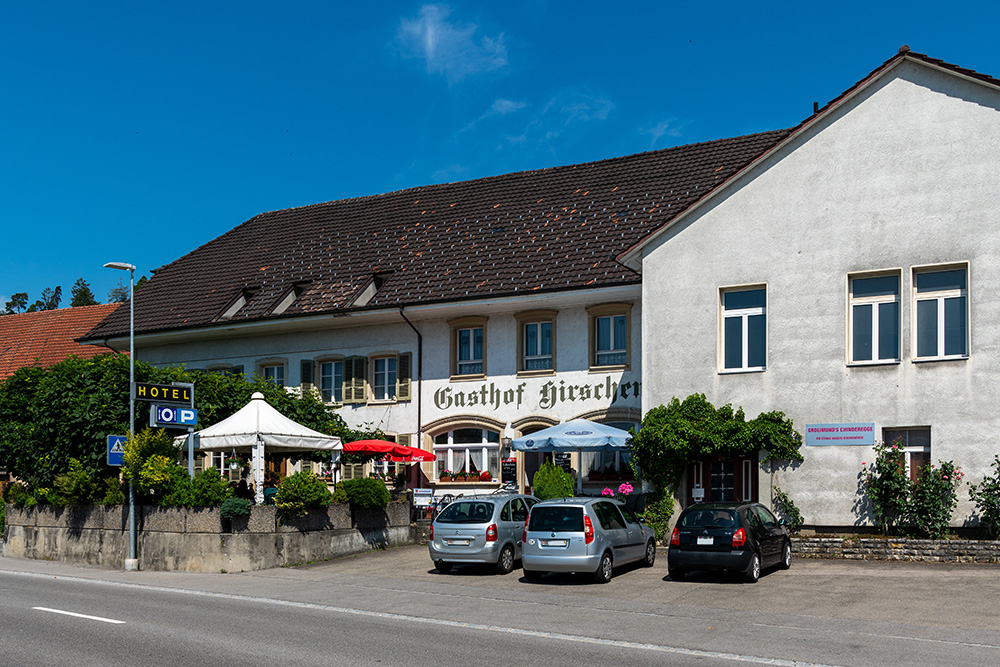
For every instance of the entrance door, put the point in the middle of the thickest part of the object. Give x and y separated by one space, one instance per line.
723 479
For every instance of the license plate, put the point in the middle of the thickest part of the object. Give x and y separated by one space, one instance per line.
706 540
555 543
458 543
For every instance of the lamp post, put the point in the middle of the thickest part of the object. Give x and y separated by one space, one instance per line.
131 563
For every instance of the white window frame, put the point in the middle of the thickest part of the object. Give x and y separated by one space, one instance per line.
908 449
384 379
335 392
941 297
875 303
466 369
490 445
536 356
744 314
610 312
275 372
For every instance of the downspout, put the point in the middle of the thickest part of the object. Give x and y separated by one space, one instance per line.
420 375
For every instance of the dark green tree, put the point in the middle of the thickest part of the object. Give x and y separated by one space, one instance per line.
82 296
17 304
119 293
49 301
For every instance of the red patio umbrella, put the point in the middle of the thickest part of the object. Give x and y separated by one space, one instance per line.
395 451
412 454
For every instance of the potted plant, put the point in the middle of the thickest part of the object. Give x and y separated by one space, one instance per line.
445 476
485 476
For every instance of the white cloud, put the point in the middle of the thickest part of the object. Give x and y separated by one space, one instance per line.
666 128
451 49
505 107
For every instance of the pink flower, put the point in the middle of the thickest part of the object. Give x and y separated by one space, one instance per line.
607 492
625 489
864 463
944 477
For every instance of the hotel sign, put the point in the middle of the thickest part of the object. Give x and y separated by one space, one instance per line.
840 434
164 393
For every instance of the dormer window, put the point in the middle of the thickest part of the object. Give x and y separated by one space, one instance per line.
242 299
371 289
290 296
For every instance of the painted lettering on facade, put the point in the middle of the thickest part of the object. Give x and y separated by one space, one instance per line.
546 396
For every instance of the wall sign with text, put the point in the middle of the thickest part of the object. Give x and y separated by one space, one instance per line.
840 434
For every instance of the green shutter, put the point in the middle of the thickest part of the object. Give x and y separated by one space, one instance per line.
404 372
355 376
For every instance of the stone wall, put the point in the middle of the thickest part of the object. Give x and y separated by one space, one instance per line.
200 540
878 548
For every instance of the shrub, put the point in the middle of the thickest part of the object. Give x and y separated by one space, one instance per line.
74 487
986 496
657 514
143 446
787 510
302 491
365 492
887 486
933 498
3 515
209 488
232 508
114 494
552 482
17 494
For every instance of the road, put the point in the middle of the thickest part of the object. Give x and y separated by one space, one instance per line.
392 608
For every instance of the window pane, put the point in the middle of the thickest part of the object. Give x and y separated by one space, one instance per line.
927 328
477 340
466 436
734 342
881 286
464 344
530 340
861 334
546 328
888 330
954 325
754 298
936 281
603 333
756 339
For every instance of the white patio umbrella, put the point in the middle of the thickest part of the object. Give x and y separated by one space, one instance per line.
258 426
579 435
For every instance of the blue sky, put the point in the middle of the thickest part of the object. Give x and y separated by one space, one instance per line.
134 131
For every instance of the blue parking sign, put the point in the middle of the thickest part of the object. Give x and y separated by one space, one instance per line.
116 450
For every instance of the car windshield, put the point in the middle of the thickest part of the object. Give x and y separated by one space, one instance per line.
466 511
709 518
559 519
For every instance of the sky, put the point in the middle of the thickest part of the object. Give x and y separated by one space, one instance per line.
136 132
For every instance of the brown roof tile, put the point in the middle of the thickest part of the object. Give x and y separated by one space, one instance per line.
47 337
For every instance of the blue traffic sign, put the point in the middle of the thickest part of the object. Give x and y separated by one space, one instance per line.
116 450
166 415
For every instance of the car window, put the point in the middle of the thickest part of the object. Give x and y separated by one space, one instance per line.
754 519
630 516
709 518
609 516
531 502
505 512
518 511
466 511
556 518
766 517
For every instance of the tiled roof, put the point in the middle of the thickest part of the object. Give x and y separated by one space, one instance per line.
528 232
47 337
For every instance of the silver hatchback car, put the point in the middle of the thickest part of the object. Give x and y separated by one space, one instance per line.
589 535
482 529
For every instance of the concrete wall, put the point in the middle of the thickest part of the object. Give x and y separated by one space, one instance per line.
904 175
198 540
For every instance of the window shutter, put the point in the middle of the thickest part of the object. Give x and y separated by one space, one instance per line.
403 439
236 370
404 373
306 372
355 375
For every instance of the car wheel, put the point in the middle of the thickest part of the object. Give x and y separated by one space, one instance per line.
604 570
505 563
533 575
442 567
676 574
786 556
753 570
650 554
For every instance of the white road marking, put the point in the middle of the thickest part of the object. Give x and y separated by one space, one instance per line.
72 613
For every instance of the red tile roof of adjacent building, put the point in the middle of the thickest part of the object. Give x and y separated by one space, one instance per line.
48 336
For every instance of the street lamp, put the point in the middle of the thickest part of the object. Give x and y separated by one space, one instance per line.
131 563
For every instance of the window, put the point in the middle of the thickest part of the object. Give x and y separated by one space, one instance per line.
941 312
384 378
468 341
744 329
275 373
331 379
609 464
468 450
875 317
609 335
915 443
536 341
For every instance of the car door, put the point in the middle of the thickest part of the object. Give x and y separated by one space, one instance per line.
636 541
772 537
518 514
613 527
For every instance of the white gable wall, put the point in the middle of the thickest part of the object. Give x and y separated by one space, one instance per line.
903 175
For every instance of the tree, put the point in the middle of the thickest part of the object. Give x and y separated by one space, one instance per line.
82 296
682 433
17 303
119 294
49 301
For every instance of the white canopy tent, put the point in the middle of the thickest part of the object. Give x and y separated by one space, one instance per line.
258 426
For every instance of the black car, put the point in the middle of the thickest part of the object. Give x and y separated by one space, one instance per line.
734 537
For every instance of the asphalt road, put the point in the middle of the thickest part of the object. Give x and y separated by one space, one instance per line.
392 608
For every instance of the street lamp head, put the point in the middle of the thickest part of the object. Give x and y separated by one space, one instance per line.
121 266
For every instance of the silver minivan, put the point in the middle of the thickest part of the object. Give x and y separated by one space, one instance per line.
482 529
586 535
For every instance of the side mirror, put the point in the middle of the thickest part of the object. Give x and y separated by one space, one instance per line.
782 522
